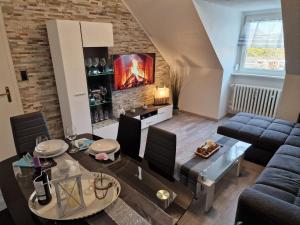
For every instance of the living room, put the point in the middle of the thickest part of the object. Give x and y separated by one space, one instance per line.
188 110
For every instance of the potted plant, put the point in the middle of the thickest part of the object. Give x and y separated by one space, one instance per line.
176 83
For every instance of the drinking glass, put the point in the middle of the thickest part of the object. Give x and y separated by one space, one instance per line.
106 116
104 92
88 63
102 64
95 63
71 136
39 140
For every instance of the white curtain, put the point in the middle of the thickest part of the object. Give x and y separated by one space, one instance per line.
262 31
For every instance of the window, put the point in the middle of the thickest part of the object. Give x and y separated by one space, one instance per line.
262 45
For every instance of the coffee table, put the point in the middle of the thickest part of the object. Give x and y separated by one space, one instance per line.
202 174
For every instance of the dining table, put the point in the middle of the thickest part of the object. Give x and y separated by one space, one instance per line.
136 204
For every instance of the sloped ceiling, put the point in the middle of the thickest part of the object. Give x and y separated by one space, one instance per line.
248 5
175 28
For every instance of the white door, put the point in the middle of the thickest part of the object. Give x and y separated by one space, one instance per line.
9 105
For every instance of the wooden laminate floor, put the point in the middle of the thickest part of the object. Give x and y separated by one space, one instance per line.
191 131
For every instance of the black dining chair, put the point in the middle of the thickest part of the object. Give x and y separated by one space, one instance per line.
129 136
160 152
26 128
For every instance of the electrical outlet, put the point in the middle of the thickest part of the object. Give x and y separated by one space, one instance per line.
24 75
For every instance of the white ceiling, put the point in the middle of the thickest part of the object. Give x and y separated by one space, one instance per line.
249 5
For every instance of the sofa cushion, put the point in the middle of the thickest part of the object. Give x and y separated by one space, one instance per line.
293 140
250 133
272 191
295 132
230 129
269 119
259 123
241 119
286 129
281 179
289 150
285 162
272 140
284 122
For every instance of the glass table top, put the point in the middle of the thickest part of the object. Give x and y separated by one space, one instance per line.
224 162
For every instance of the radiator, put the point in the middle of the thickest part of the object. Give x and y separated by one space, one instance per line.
254 99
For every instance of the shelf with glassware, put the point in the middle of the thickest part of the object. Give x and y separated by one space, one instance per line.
100 78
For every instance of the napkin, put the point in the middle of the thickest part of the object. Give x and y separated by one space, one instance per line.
25 161
83 143
102 156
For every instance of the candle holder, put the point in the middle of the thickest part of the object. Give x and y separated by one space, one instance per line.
162 95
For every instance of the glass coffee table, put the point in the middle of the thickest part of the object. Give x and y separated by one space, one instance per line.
202 174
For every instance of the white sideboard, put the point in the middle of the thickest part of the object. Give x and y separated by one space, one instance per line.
148 117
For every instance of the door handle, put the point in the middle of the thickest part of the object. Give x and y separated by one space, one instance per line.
7 93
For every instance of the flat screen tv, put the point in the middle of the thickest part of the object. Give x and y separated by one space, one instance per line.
133 70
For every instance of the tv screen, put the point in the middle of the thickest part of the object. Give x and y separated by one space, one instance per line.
133 70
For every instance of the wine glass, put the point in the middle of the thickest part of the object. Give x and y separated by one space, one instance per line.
104 92
103 63
71 136
88 63
95 63
43 150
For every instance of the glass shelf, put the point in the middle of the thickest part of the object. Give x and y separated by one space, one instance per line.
101 103
102 74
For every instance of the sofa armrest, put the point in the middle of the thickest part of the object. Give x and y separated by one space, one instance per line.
255 207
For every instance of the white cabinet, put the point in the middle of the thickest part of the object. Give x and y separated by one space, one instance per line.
164 113
149 121
68 62
96 34
109 131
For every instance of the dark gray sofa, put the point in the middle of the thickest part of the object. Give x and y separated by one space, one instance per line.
264 133
275 197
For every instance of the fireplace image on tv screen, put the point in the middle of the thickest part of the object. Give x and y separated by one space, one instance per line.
133 70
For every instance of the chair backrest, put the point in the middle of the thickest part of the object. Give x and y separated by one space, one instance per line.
129 136
160 151
26 128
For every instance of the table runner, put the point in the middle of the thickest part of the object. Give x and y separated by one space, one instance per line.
189 167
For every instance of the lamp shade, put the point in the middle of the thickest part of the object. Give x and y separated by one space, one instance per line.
161 96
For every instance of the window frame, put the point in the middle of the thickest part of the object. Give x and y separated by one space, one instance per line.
243 49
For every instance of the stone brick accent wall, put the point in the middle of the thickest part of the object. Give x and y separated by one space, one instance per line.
25 24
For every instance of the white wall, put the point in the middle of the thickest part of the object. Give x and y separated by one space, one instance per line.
222 24
201 91
289 106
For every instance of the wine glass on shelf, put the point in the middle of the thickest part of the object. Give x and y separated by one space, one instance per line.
88 64
71 135
102 64
104 92
95 63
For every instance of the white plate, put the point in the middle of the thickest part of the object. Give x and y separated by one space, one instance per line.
104 146
50 147
93 204
62 151
91 152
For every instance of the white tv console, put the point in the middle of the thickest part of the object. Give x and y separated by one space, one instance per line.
150 116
